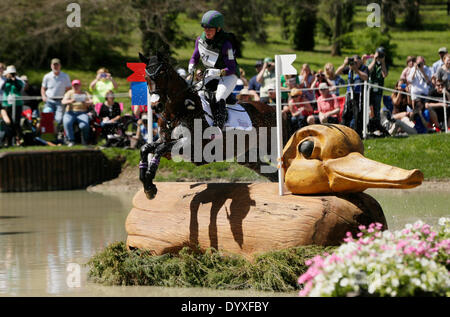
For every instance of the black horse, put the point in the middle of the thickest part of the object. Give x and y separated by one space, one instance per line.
179 106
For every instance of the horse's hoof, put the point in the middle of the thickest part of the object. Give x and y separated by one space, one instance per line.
151 192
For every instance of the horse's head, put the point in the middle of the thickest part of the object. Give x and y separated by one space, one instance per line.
161 78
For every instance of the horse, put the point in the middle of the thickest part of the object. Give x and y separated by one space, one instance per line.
180 105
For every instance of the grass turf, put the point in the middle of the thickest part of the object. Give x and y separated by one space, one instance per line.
272 271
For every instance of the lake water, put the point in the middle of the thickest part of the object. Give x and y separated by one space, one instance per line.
42 233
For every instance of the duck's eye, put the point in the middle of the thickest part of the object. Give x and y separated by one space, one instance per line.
306 148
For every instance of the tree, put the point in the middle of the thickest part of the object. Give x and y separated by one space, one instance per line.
35 31
299 22
157 22
244 19
412 14
335 20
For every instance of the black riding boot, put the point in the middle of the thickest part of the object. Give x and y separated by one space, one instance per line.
220 113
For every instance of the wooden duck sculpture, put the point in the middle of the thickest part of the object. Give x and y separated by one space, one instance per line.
324 163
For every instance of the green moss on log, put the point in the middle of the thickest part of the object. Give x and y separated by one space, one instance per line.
272 271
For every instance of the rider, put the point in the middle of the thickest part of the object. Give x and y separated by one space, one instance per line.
214 47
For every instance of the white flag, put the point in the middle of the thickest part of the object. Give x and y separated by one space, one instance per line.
286 64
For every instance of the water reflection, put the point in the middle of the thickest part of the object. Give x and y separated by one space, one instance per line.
41 233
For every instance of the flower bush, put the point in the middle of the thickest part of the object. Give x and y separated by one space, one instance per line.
413 261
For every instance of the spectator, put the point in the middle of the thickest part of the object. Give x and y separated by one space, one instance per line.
142 131
12 104
242 77
240 83
77 104
2 77
402 103
30 91
244 96
443 73
328 107
357 73
334 79
288 82
319 78
306 79
420 78
299 108
377 73
109 114
266 77
438 64
438 106
54 86
253 85
410 61
102 84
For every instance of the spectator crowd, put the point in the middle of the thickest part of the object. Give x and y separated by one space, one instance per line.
71 114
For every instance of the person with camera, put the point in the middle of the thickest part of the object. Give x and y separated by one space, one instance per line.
377 73
77 104
357 73
320 78
11 108
420 80
102 83
266 77
328 107
306 81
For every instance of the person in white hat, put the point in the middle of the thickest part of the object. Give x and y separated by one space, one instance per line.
438 64
11 108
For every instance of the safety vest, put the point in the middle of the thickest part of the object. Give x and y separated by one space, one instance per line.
211 51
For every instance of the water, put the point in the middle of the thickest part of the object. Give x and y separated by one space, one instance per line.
42 233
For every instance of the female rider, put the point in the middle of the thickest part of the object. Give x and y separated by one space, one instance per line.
215 49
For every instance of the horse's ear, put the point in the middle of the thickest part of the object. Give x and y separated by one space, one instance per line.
143 58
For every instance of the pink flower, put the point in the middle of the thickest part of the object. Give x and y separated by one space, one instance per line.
359 234
362 227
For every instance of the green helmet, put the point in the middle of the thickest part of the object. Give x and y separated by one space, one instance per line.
212 19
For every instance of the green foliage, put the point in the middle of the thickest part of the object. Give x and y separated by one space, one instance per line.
326 17
272 271
158 25
244 19
37 31
367 40
299 23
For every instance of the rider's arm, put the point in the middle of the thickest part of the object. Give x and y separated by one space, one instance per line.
195 56
228 58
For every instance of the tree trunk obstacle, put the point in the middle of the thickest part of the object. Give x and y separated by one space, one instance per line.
243 218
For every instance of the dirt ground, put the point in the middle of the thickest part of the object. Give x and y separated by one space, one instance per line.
128 181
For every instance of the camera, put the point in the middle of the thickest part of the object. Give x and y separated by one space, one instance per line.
403 86
380 54
351 61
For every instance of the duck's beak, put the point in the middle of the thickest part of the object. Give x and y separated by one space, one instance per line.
354 172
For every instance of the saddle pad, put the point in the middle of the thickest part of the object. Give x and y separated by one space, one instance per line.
238 118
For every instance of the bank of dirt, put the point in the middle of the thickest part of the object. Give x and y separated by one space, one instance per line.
128 181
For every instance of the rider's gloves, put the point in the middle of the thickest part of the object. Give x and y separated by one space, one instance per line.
223 72
191 69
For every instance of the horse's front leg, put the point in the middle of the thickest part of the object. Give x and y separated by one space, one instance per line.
147 170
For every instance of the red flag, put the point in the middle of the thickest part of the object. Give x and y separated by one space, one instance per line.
139 72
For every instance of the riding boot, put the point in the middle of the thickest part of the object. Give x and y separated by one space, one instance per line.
220 114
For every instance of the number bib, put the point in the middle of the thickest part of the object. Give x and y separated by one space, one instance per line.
209 58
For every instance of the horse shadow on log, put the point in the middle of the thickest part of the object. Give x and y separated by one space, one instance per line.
217 195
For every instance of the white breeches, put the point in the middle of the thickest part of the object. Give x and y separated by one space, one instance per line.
226 86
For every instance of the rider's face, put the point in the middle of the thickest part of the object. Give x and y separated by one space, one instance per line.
210 32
